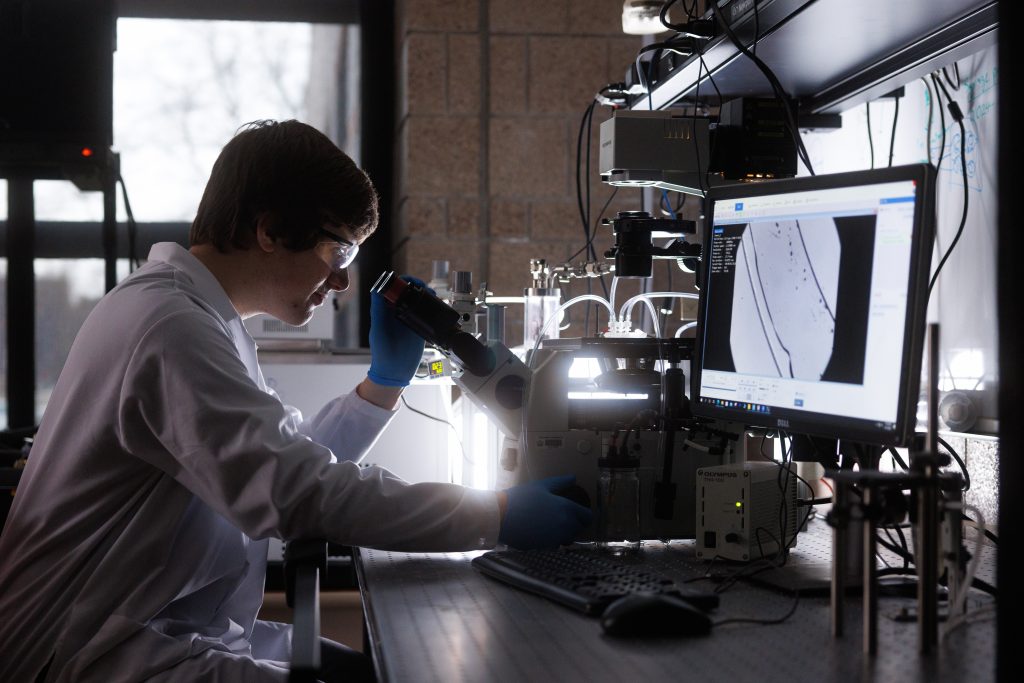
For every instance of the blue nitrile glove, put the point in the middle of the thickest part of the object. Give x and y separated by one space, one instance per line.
538 518
395 350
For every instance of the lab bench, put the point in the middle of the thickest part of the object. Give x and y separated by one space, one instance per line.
433 617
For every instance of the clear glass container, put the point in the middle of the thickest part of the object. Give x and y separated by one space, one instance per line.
539 304
618 506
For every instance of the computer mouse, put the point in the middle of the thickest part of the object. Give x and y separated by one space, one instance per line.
652 615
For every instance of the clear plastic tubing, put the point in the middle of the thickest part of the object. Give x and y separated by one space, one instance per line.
684 328
654 318
558 311
627 308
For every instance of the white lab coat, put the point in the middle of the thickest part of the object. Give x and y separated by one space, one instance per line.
136 546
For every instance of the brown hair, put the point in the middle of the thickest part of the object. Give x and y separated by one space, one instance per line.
292 172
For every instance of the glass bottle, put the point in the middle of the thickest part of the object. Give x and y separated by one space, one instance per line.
618 504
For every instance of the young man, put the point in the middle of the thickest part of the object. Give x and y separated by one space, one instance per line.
136 546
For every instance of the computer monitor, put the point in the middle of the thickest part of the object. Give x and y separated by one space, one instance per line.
813 300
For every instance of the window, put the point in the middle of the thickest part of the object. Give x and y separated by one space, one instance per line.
181 90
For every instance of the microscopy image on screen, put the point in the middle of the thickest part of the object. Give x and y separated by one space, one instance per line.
789 298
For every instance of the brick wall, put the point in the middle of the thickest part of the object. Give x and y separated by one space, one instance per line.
490 97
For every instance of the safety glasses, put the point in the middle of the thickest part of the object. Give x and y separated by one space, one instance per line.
344 252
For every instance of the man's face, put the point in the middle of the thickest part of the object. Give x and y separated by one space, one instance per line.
303 279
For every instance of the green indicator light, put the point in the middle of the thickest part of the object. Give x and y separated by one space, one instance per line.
739 504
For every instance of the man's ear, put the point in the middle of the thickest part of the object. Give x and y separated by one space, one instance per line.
264 240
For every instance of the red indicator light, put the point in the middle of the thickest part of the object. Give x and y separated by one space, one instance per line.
86 152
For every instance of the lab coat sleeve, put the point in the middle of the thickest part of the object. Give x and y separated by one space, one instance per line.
348 425
188 407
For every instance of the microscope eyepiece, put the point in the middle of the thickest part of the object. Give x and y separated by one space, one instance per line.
435 321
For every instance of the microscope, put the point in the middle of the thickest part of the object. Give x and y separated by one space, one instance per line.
631 404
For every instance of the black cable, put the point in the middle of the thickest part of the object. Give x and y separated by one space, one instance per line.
731 579
871 142
878 554
931 111
897 458
700 31
696 147
593 233
590 239
585 124
590 122
584 208
663 15
783 483
892 139
780 92
956 70
954 110
988 534
959 461
751 620
942 122
896 550
903 541
711 149
579 154
802 502
458 439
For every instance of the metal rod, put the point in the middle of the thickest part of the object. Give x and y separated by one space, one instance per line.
931 445
925 550
870 601
839 531
952 540
21 303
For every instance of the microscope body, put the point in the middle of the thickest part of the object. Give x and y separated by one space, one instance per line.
555 423
561 427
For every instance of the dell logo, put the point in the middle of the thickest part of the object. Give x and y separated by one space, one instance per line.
783 423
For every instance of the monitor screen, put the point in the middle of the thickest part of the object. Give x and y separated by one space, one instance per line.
813 302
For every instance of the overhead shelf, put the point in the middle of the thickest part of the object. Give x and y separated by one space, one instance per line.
830 55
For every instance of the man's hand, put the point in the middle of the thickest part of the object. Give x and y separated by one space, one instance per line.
395 350
535 517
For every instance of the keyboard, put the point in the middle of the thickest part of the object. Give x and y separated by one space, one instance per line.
582 580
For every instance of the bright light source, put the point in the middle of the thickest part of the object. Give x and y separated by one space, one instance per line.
966 370
642 17
86 152
605 395
584 368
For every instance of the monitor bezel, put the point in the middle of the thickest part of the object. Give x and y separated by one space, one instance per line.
820 424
